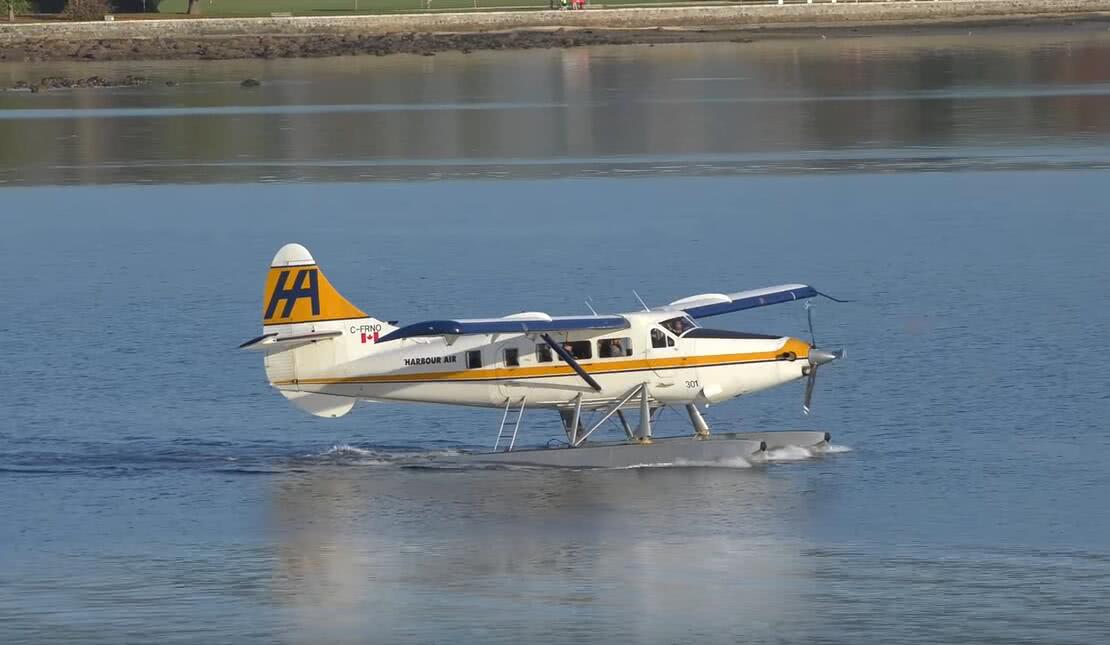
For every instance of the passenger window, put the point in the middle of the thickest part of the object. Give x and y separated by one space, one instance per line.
543 353
658 338
614 347
473 359
580 349
512 357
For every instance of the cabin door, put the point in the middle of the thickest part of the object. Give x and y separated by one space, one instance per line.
508 358
662 351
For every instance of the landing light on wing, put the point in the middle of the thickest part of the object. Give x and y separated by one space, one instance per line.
699 300
528 315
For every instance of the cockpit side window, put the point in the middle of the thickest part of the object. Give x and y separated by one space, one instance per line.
679 326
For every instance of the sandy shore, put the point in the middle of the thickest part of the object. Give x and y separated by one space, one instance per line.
428 34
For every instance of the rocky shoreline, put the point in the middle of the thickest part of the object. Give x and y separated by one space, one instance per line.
315 46
224 39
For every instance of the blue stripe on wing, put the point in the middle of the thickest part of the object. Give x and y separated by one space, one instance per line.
501 326
747 300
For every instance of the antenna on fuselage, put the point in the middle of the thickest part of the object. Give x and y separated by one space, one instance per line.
646 308
590 306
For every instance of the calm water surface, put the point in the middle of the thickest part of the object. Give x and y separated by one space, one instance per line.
154 489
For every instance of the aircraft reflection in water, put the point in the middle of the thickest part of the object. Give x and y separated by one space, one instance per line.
384 552
324 354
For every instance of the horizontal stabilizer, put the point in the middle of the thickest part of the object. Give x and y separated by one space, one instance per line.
275 342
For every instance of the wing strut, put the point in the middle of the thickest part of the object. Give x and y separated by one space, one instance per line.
570 360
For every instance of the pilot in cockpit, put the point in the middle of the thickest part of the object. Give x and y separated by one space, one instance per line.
677 326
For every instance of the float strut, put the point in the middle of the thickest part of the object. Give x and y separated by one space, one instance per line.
644 433
701 428
576 419
624 424
627 397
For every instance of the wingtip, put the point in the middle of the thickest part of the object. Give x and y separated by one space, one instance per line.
834 299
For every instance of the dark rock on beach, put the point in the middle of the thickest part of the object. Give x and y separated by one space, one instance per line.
62 83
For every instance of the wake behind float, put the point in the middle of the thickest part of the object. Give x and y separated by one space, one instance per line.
670 451
324 354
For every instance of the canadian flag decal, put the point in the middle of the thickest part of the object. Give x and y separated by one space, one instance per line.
369 338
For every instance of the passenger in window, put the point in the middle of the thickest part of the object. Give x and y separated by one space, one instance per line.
658 338
580 349
611 348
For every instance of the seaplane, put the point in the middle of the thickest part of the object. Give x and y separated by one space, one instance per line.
324 354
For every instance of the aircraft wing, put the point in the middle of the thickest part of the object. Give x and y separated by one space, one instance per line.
515 324
714 304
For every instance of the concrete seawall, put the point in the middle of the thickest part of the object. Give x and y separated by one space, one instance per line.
741 16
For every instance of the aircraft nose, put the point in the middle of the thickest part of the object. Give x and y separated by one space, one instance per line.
821 356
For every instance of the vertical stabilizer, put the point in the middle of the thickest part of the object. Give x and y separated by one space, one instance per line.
310 331
297 291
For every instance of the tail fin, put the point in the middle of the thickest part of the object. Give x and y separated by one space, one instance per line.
298 292
311 332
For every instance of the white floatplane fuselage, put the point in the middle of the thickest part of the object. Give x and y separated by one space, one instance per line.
695 366
324 354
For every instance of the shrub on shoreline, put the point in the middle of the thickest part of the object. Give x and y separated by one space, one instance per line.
87 9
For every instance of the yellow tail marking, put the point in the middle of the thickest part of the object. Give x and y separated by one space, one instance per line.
303 294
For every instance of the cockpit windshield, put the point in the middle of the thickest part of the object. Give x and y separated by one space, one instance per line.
679 326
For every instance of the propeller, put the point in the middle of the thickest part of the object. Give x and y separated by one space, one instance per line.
817 358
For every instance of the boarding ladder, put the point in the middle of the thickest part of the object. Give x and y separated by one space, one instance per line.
504 424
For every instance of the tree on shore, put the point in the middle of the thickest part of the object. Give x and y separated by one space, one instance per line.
15 6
